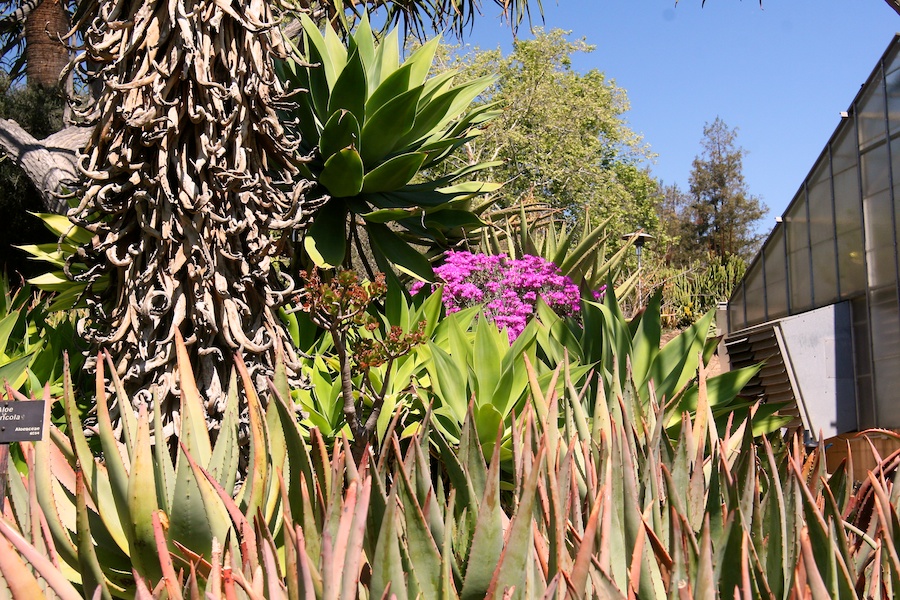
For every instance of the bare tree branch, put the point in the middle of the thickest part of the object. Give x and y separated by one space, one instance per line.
49 163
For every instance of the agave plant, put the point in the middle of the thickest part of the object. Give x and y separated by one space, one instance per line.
371 124
580 256
631 360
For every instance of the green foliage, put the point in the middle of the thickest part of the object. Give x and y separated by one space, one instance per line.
61 255
469 364
475 367
562 137
366 354
689 293
719 216
112 520
630 361
33 341
420 18
371 123
583 257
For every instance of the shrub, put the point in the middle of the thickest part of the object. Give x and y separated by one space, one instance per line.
508 289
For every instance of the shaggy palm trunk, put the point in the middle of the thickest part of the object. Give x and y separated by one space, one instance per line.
179 194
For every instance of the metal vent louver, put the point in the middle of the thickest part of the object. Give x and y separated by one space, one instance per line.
775 382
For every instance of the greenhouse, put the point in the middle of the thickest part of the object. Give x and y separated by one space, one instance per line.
819 303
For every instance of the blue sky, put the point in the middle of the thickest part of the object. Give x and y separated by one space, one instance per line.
781 74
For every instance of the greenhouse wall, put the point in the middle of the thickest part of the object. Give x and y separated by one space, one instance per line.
837 241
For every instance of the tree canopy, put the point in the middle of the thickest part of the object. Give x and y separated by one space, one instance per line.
562 135
719 216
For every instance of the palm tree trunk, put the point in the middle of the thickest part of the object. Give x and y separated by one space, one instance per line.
46 54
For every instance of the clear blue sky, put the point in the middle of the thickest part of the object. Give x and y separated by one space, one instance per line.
780 73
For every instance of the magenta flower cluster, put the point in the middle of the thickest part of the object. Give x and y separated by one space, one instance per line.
506 288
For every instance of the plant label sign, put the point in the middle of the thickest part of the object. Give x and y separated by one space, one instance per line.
21 421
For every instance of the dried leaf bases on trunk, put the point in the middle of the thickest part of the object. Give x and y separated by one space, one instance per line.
180 194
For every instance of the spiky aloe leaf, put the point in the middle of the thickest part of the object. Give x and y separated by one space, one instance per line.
426 559
92 577
387 563
142 502
487 541
18 577
517 545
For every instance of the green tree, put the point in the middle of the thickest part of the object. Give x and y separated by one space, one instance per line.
675 244
723 217
562 135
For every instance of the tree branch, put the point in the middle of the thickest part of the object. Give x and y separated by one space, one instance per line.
49 163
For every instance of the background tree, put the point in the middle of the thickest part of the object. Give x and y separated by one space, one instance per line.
719 217
675 243
709 232
562 135
32 39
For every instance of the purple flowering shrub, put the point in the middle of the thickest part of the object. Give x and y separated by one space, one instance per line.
506 288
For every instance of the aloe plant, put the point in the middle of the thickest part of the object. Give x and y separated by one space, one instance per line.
607 507
371 124
113 519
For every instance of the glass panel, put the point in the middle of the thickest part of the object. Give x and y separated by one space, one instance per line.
736 309
892 69
844 151
824 273
851 265
880 240
892 61
821 222
798 255
876 170
865 396
878 217
848 220
895 160
776 276
754 294
885 320
870 111
893 90
821 235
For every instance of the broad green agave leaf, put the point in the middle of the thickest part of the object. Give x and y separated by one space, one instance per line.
371 125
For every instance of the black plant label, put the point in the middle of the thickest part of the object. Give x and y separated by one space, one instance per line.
21 421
